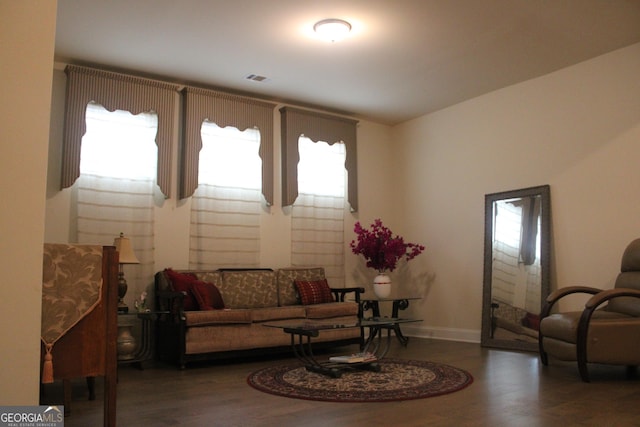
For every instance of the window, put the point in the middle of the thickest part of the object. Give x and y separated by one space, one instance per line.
317 218
115 189
318 127
223 109
225 208
116 91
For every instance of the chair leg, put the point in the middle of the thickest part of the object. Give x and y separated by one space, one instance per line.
581 343
632 371
91 385
543 354
582 368
66 392
544 358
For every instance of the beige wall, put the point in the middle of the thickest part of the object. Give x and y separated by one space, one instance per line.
27 31
577 129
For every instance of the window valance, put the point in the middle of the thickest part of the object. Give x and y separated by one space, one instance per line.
224 109
116 91
317 127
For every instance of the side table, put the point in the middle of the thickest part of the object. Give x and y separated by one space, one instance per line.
132 349
398 303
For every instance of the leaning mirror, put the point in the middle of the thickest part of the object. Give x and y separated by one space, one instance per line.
516 267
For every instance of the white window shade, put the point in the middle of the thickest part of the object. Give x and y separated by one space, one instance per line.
225 208
115 190
317 219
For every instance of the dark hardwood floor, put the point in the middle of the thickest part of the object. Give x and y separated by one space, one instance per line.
509 389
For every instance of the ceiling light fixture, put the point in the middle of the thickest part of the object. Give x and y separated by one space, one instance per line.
332 30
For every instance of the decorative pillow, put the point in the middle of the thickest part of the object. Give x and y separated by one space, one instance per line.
313 291
183 282
531 321
207 295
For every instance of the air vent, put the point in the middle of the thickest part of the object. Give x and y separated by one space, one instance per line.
256 78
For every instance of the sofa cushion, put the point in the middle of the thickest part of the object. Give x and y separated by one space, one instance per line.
248 288
217 317
210 276
207 295
277 313
285 278
183 282
314 291
332 309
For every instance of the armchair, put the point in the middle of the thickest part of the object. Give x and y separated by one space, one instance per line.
606 331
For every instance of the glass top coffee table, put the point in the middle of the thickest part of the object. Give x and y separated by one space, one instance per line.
373 349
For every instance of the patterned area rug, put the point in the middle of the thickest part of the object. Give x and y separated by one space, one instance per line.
397 380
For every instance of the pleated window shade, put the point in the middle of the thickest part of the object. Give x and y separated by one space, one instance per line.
225 208
115 189
317 216
117 91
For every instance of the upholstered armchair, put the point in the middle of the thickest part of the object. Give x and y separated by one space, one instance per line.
607 331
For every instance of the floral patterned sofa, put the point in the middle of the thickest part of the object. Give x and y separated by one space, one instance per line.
221 313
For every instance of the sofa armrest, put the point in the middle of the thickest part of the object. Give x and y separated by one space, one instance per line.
173 302
340 293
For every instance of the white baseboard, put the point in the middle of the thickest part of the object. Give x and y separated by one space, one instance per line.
447 334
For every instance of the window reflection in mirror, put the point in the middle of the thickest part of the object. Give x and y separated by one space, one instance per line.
515 287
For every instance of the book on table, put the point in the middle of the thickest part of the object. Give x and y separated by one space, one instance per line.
353 358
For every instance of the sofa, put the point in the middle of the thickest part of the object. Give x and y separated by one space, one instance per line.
221 313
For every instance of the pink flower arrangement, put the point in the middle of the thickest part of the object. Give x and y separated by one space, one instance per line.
381 248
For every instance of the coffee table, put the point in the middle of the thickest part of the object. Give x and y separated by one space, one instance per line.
302 331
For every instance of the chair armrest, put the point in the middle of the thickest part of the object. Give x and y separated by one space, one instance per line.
556 295
340 293
604 296
562 292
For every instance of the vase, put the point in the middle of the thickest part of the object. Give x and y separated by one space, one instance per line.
382 286
125 342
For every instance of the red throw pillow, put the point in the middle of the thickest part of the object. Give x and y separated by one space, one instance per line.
183 282
313 291
207 295
532 321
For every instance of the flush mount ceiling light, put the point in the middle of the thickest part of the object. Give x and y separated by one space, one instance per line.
332 29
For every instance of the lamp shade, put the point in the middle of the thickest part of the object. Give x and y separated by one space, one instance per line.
123 246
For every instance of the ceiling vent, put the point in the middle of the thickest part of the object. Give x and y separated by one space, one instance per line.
256 78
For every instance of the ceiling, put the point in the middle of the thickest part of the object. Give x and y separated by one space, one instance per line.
404 58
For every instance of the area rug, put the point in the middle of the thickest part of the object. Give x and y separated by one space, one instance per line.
397 380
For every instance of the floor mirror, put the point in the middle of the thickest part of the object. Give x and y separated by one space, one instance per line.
516 267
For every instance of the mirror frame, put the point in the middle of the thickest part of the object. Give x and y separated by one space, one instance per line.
545 260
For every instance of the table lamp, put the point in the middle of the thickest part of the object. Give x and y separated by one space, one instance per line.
127 256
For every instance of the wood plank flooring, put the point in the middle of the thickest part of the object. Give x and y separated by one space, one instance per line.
509 389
